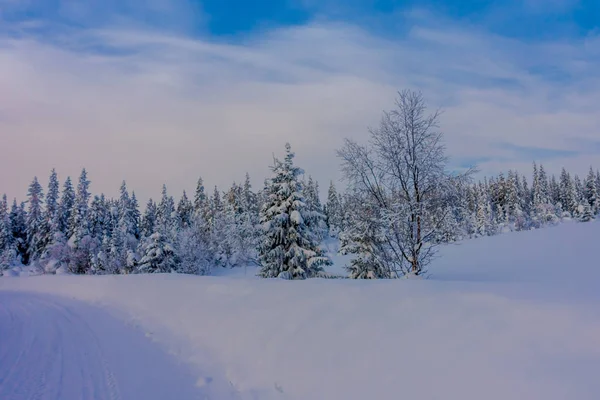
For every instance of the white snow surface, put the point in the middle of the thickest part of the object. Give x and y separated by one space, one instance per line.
515 316
58 348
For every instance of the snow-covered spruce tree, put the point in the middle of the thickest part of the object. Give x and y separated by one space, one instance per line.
402 173
591 192
193 252
8 248
567 194
314 215
201 203
149 219
125 240
18 224
361 238
37 228
598 181
65 208
246 237
288 249
78 222
241 221
52 199
543 212
159 255
185 212
585 212
157 251
82 244
334 212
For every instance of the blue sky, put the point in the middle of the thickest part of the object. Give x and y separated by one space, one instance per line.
165 88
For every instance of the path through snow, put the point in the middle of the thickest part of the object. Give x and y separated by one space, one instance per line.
56 348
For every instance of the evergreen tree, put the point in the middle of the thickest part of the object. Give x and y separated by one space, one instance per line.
52 200
8 249
158 252
361 239
65 208
125 241
166 218
288 248
567 193
18 223
78 222
193 252
159 255
591 192
149 219
135 216
335 213
99 218
314 215
83 245
185 212
249 198
202 208
36 224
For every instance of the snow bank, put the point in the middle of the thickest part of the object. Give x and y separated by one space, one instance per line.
508 317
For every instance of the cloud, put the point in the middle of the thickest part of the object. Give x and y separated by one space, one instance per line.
152 105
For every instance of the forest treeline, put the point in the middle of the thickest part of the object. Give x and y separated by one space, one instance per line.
398 204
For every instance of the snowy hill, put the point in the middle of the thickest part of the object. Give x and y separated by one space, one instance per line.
514 316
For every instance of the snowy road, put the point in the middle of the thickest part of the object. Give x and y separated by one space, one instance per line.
56 348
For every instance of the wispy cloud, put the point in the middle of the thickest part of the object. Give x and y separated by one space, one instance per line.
154 105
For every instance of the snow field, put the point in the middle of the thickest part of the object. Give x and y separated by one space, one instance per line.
514 316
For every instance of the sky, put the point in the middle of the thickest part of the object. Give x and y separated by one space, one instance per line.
165 91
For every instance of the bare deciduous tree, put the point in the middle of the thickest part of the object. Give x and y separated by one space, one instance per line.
402 172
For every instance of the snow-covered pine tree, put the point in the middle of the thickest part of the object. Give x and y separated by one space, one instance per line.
288 248
18 223
185 212
158 253
554 191
201 205
314 215
78 223
99 218
591 192
149 219
543 211
247 237
82 244
525 197
567 193
166 218
65 208
249 199
361 238
585 212
215 207
126 240
136 216
598 181
193 252
8 249
37 229
335 213
52 199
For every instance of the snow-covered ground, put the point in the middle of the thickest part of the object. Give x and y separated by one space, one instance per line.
57 348
516 316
